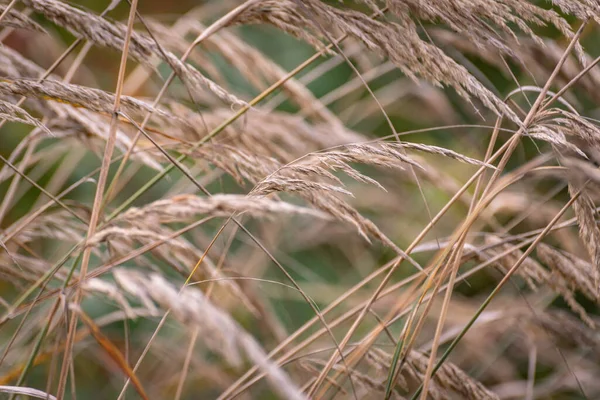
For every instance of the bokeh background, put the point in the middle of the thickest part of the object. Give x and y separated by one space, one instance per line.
326 259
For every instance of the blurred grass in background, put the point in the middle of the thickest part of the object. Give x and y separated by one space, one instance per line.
325 259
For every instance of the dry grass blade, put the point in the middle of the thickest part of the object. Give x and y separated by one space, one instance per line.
567 328
114 293
15 65
380 154
443 152
576 273
114 353
531 271
272 134
15 19
78 96
94 28
449 381
217 328
53 224
578 170
284 16
587 137
535 274
14 113
25 391
323 197
582 9
398 41
98 199
452 378
183 208
473 19
105 33
80 120
585 211
240 54
240 164
566 130
302 177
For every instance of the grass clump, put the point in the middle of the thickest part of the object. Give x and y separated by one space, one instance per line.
168 233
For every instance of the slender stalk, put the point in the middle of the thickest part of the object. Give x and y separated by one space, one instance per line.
96 208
